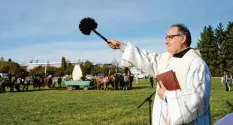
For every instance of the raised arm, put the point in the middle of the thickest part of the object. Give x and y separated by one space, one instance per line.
142 60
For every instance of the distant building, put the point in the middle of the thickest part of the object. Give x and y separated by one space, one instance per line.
45 64
102 65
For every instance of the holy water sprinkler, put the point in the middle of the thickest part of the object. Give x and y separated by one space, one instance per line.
87 25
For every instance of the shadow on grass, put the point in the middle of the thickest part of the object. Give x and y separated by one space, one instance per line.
77 88
44 89
112 89
37 89
133 88
140 87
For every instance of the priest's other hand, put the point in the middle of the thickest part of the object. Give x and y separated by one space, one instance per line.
161 90
114 44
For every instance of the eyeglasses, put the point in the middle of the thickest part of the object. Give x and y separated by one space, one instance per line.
171 36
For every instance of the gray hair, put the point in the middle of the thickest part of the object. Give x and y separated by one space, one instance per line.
182 29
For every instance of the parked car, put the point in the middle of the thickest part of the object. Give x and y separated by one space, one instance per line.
88 77
140 76
100 75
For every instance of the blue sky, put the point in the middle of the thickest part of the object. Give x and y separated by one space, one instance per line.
48 29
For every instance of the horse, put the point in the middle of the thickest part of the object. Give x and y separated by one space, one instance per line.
101 82
111 80
27 82
119 81
124 82
36 82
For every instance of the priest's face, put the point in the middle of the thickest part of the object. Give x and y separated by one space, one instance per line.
175 41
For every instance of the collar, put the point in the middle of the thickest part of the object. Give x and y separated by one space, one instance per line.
181 53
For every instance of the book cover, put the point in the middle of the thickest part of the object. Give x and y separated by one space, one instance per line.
169 80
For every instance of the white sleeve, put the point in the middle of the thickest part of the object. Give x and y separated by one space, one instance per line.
142 60
186 105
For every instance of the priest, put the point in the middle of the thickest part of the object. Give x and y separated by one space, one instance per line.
188 105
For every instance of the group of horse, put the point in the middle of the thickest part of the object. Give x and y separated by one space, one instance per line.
22 84
117 81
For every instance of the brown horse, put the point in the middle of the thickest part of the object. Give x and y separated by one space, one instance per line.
104 81
101 82
111 80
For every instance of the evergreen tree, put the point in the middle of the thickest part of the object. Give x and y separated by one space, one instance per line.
227 48
229 29
208 48
9 60
63 63
10 64
220 37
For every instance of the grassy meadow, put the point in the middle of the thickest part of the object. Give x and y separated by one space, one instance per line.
92 107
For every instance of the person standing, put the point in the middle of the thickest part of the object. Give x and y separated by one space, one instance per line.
136 78
17 84
151 82
189 105
59 81
225 80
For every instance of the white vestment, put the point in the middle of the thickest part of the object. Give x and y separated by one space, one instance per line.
190 104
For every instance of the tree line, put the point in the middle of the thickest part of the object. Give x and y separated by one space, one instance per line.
216 48
12 67
66 68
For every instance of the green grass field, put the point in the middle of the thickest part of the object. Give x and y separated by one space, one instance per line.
92 107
